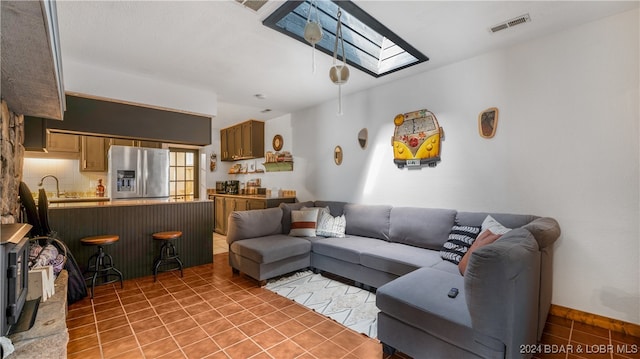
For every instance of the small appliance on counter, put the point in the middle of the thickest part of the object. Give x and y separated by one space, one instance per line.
232 187
221 187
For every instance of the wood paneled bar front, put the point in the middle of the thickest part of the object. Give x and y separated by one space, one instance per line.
135 221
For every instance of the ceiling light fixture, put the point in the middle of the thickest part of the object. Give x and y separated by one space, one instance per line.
339 74
313 33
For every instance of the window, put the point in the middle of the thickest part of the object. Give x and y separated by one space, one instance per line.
369 45
183 173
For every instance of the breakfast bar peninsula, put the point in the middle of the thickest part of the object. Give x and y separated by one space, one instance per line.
135 221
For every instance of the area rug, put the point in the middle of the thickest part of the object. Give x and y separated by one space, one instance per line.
351 306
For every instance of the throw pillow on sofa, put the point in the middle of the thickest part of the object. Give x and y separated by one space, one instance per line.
330 226
494 226
484 238
460 239
303 223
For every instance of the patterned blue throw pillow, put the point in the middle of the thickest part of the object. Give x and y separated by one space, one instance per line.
460 239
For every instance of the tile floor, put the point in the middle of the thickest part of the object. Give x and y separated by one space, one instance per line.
210 313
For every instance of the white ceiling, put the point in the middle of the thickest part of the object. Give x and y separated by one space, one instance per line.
221 46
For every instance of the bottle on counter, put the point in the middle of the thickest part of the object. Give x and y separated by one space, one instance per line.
100 189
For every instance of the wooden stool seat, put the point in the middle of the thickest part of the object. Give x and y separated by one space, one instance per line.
100 240
168 258
100 266
167 235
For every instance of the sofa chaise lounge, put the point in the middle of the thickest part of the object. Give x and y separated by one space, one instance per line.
504 295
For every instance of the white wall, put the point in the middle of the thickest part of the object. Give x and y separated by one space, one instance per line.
567 146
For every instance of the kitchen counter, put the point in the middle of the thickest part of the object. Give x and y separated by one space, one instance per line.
251 196
123 202
135 221
227 203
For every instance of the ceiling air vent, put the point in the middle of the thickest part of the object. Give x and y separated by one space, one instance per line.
510 23
254 5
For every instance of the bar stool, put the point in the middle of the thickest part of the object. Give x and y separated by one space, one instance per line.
101 263
168 253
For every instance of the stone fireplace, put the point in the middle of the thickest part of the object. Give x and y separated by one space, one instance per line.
12 153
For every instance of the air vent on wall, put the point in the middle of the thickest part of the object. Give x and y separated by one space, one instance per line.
254 5
510 23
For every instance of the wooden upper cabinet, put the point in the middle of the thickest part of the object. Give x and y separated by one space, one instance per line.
93 154
242 141
63 142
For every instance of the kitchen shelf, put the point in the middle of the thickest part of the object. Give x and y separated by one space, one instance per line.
278 166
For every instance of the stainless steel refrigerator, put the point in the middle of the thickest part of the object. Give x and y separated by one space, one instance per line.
138 172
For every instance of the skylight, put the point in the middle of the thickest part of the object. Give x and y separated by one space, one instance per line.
369 45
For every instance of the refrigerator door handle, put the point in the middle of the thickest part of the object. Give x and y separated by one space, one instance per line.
145 171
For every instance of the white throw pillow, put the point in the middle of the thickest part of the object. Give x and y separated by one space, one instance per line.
303 223
329 226
494 226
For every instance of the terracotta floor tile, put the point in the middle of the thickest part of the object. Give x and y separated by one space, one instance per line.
269 338
190 336
107 336
295 310
141 315
80 321
229 337
207 317
262 309
228 308
586 338
198 307
119 346
217 326
146 324
287 349
328 328
310 319
155 292
292 327
348 339
176 354
183 293
368 349
558 330
159 348
113 323
129 291
241 317
585 328
81 344
83 331
152 335
181 325
110 313
254 327
189 301
243 350
201 349
308 339
167 307
134 307
80 311
94 352
173 316
323 352
275 318
131 354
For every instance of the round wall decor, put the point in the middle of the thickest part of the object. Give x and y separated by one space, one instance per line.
277 142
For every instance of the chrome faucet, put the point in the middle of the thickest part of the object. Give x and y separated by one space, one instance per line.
57 184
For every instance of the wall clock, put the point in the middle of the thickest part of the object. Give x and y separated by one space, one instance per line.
277 142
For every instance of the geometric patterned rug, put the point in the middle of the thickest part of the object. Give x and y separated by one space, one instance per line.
350 306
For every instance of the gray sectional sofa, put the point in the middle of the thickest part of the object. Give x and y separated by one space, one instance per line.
504 294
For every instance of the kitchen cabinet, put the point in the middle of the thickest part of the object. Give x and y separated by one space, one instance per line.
225 204
93 155
242 141
63 142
